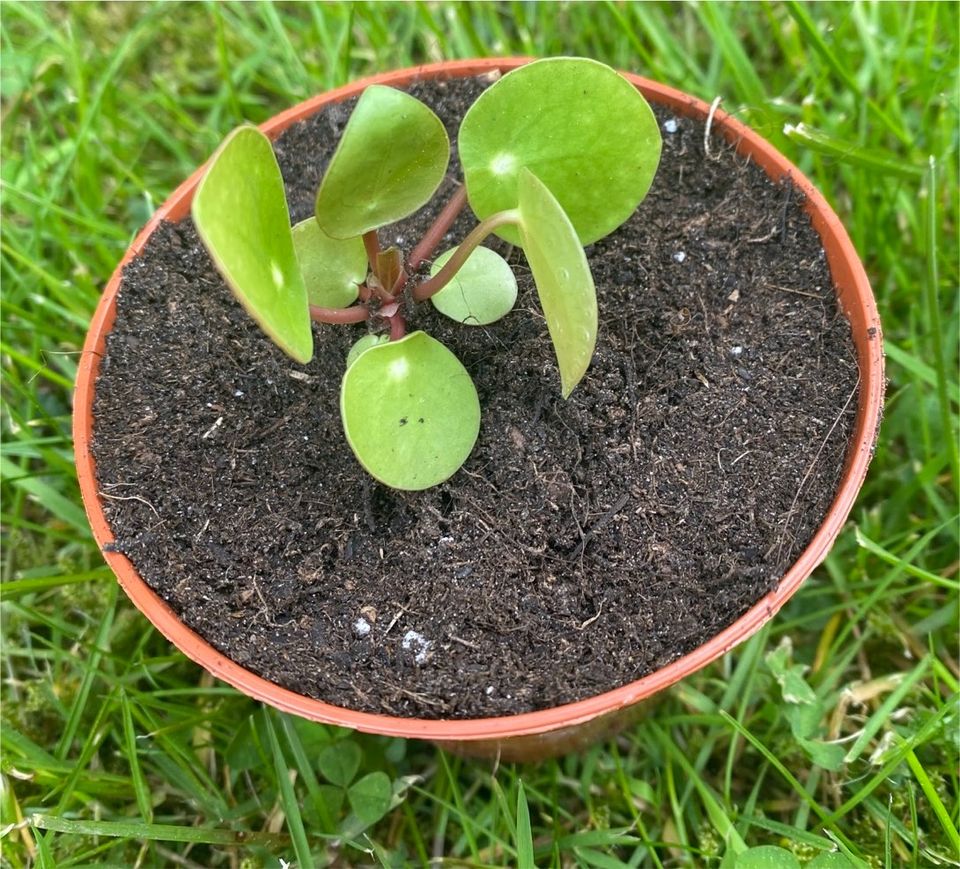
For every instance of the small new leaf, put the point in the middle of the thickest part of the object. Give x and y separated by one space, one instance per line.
331 268
410 412
362 345
391 158
563 278
481 292
240 211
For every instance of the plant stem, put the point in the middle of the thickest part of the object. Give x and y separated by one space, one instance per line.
424 291
398 326
353 314
434 235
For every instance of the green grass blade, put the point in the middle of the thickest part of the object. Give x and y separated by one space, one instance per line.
155 832
130 747
288 798
525 857
930 792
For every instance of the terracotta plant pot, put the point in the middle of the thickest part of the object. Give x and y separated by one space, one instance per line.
553 731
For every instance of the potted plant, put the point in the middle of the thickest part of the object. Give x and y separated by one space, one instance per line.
530 733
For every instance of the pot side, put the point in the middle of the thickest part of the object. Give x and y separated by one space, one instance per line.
548 732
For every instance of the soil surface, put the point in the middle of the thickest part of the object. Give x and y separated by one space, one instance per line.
584 544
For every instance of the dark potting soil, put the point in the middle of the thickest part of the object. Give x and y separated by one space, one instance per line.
584 544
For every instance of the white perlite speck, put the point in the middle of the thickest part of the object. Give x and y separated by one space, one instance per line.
361 627
736 350
670 126
418 643
679 256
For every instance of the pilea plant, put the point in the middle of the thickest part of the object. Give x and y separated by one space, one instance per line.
555 155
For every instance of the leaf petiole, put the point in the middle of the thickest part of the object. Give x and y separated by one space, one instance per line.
339 316
479 233
441 226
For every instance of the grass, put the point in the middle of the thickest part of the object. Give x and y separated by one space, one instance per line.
117 751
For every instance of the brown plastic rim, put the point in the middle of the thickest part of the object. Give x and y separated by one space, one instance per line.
548 731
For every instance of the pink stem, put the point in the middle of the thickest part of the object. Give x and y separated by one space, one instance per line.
434 235
425 290
398 326
353 314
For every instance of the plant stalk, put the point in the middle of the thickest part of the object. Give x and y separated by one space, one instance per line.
398 326
434 235
339 316
425 290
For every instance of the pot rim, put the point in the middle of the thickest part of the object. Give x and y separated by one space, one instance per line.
860 308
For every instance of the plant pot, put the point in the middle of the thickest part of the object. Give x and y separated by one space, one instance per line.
553 731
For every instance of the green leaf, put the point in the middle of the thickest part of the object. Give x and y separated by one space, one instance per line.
331 267
563 278
352 826
240 210
312 735
364 344
287 797
833 860
390 161
828 755
339 762
243 751
790 677
525 853
802 708
370 797
579 126
481 292
767 857
410 412
331 797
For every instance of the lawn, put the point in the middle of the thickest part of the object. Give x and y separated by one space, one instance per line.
117 751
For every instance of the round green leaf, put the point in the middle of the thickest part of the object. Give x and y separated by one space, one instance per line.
410 412
331 267
364 344
481 292
339 762
240 210
579 126
390 161
370 797
563 279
